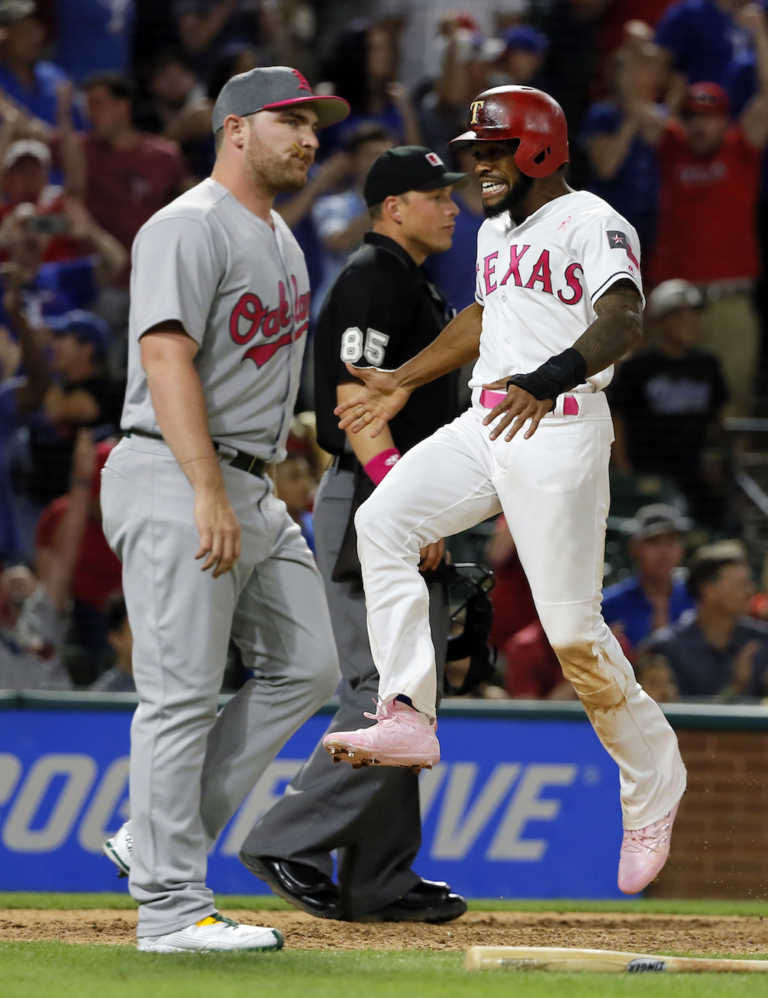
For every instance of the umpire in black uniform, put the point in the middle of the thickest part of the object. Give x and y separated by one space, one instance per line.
381 311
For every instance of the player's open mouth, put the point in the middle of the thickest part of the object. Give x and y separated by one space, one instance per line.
491 188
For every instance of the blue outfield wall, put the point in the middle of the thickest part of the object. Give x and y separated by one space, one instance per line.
524 804
518 808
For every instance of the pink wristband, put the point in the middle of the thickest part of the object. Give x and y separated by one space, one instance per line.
380 466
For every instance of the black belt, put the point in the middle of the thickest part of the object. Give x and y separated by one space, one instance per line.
345 462
241 460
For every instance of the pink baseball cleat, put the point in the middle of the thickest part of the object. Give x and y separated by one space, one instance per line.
401 736
644 852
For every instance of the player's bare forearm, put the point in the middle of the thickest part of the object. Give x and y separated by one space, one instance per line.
167 355
364 445
617 329
458 344
529 396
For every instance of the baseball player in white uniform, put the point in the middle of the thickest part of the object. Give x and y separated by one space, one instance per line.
559 299
218 322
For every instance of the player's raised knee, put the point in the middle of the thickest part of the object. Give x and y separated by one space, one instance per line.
370 519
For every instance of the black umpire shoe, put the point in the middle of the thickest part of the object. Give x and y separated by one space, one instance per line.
426 901
299 884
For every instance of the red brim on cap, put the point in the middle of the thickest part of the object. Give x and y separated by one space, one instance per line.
329 109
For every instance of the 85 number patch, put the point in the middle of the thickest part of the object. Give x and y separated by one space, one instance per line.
355 345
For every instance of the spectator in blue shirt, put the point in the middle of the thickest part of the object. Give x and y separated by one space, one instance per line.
454 270
25 77
702 37
24 380
619 136
655 595
93 36
522 58
341 218
720 652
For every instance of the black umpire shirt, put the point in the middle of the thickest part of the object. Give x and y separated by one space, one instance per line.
380 312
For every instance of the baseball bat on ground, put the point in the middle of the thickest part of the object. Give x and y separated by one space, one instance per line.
561 959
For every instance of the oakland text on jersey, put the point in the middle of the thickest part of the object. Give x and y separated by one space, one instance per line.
570 290
251 316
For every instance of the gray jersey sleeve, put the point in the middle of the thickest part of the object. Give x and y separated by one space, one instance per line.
176 273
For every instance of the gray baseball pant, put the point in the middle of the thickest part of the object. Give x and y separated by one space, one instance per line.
330 806
191 768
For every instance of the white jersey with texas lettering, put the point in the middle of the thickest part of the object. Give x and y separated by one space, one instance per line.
538 282
240 289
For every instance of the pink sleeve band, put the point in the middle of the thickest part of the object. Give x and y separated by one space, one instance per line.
380 466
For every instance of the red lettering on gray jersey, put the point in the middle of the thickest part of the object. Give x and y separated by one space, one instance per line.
250 316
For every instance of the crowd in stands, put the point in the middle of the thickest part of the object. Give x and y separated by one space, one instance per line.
105 111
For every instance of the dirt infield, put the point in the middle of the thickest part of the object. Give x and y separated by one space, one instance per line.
639 933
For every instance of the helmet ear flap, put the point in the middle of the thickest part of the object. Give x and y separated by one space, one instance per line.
534 158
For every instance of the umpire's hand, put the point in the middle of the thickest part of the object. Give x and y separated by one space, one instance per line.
431 555
218 529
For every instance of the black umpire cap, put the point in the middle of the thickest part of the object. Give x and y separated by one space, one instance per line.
406 168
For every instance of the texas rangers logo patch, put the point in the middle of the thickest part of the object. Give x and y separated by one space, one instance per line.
618 240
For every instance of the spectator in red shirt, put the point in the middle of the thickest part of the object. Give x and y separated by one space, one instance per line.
67 231
26 167
710 176
529 666
532 670
97 571
513 607
129 174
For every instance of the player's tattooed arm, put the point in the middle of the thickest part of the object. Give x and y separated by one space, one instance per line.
529 397
617 329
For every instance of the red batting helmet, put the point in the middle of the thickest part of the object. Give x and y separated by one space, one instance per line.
532 117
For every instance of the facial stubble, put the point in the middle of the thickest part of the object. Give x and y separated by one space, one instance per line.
512 200
271 171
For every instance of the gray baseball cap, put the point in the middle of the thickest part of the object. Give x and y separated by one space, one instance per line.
657 518
670 296
268 88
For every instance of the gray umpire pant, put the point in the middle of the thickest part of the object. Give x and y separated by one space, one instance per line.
370 815
191 768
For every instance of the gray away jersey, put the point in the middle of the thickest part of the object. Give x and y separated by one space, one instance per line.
241 291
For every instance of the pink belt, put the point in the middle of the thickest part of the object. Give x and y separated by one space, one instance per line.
490 399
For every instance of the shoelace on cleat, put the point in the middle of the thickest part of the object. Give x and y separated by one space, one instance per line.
640 839
385 711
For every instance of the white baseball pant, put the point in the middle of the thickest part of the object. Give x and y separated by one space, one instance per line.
553 490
